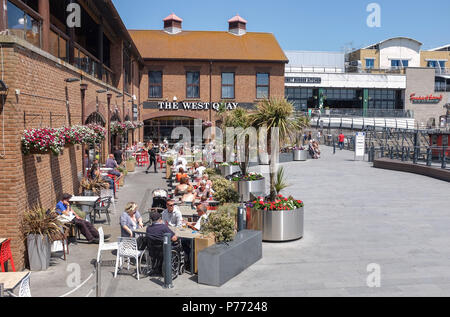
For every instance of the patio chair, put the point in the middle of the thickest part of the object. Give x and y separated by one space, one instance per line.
102 246
102 206
6 255
24 290
127 248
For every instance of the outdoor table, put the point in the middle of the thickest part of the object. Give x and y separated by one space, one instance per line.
183 234
10 280
88 201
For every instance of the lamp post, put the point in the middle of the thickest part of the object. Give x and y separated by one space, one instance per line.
68 81
102 91
83 88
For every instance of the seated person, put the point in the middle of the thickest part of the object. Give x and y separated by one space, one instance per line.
189 197
181 174
95 173
181 162
111 163
202 213
157 229
202 190
205 178
172 215
86 228
183 187
130 220
199 169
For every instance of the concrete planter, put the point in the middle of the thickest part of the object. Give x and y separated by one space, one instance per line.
39 252
168 171
301 155
221 262
229 170
122 181
88 193
130 166
247 188
278 225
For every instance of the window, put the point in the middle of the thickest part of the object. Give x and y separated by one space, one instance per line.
155 84
262 85
442 64
23 25
432 64
397 63
193 85
227 85
370 63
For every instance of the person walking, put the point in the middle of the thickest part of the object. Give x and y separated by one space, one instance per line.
152 157
341 141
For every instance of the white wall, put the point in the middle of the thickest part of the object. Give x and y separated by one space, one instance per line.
399 48
351 80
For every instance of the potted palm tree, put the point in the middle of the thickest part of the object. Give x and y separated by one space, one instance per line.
40 228
94 186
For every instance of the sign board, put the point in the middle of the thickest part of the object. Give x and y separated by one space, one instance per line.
360 145
303 80
426 99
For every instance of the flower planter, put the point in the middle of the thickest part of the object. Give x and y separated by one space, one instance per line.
168 171
229 170
130 166
122 181
39 252
301 155
247 188
278 225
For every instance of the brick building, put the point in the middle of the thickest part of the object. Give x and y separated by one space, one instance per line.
188 73
58 76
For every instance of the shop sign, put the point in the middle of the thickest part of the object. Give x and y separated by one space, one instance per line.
425 99
303 80
196 106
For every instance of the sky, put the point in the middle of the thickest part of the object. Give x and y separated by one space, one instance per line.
312 25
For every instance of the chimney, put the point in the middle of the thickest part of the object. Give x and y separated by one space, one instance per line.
172 24
237 25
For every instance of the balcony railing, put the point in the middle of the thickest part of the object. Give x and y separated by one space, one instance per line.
443 71
391 70
91 65
368 113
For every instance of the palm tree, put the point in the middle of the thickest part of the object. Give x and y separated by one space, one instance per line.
303 122
275 113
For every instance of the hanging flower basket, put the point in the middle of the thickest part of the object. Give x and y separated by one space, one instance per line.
42 141
118 128
138 124
98 135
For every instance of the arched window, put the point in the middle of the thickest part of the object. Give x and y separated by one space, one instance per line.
96 118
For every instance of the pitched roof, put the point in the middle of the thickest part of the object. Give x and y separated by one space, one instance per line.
208 45
237 18
173 17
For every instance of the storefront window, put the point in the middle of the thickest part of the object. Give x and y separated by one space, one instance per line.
301 98
193 85
382 99
227 85
155 84
262 85
22 25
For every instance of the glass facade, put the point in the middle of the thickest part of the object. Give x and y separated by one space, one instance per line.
301 98
23 25
161 128
382 99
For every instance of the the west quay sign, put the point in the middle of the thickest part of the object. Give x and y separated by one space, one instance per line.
425 99
193 106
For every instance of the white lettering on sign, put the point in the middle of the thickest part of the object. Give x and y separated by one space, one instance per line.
196 106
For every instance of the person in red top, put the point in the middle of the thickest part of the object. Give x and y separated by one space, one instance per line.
341 141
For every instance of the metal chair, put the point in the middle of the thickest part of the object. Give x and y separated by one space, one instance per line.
24 290
127 248
102 206
6 255
102 246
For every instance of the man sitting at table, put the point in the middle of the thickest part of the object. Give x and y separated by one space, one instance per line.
181 174
86 228
111 163
202 213
172 215
157 230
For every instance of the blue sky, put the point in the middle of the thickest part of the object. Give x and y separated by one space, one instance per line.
322 25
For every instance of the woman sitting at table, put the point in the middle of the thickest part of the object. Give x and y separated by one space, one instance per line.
95 173
206 179
181 189
130 220
202 190
189 197
181 174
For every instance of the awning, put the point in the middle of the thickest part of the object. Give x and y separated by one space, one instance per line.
444 76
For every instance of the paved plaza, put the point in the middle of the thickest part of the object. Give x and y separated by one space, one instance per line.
355 216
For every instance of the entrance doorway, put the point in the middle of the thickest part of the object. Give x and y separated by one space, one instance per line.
159 129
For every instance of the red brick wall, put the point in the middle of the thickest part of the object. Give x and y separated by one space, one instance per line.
38 179
174 83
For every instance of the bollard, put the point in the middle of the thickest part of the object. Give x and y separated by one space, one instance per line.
167 263
403 154
444 159
334 145
391 154
429 157
408 151
98 279
241 218
382 151
415 155
397 155
372 154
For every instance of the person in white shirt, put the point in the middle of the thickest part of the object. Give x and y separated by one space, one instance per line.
202 212
172 215
181 162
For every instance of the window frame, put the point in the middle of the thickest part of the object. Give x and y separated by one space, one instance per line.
222 85
268 85
193 85
155 85
373 63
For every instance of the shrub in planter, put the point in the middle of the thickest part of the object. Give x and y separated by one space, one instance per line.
224 190
211 172
221 225
94 185
249 177
40 229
